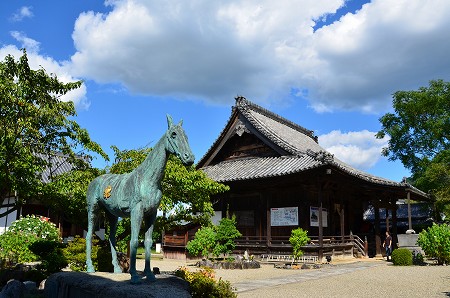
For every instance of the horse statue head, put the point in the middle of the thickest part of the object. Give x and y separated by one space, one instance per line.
177 142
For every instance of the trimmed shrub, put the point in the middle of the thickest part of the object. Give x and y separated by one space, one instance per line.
202 283
402 257
51 255
435 242
75 253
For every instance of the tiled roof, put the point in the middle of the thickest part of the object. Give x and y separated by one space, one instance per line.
303 147
282 132
59 166
253 168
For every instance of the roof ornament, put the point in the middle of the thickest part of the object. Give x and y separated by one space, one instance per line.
241 128
241 101
322 156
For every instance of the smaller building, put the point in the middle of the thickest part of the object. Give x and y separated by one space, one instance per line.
176 239
59 166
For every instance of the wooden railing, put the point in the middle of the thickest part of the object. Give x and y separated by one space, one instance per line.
330 242
171 240
282 242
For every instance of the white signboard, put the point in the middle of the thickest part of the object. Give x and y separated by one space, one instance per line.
287 216
314 217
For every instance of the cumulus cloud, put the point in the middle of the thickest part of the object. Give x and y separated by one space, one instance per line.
264 49
22 13
204 49
36 61
360 149
28 43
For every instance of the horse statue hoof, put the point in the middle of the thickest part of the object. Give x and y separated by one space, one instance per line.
136 279
151 277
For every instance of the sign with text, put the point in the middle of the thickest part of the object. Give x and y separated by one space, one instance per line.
314 217
287 216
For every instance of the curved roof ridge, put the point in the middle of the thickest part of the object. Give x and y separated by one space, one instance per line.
243 103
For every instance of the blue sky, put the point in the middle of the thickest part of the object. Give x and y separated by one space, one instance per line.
330 65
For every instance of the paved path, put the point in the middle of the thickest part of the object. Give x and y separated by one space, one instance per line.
312 274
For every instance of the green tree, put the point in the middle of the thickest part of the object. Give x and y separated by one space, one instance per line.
419 132
66 194
299 238
215 240
203 243
34 125
226 233
435 242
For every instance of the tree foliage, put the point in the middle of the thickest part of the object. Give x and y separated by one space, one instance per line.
66 194
419 133
435 242
34 125
299 238
226 233
215 240
203 243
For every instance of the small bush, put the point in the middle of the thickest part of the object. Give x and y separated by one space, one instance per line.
75 253
203 242
417 258
215 240
203 284
15 243
299 238
402 257
51 255
435 242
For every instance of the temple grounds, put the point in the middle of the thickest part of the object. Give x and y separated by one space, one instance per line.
356 278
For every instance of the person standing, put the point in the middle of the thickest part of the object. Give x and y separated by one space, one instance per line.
387 244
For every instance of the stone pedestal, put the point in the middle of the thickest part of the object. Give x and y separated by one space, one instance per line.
110 285
409 241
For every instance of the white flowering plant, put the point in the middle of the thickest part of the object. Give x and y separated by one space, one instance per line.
16 241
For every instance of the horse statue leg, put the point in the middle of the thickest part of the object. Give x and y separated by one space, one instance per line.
149 224
91 221
112 241
136 220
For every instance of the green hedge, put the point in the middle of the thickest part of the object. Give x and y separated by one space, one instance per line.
402 257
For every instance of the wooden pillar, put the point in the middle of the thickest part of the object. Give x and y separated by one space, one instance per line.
377 231
320 223
394 225
387 219
408 196
268 225
342 219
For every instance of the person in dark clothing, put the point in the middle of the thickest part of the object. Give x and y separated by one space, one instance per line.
387 244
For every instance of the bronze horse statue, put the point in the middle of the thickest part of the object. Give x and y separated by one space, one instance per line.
136 195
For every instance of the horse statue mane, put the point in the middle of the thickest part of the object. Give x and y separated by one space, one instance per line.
136 195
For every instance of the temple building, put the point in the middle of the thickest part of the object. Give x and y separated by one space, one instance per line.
280 178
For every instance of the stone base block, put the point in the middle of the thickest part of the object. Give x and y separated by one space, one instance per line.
111 285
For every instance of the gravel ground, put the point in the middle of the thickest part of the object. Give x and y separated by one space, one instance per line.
368 278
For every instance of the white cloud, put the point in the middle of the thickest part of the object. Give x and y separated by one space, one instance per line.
360 149
28 43
62 71
383 48
261 49
22 13
205 49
